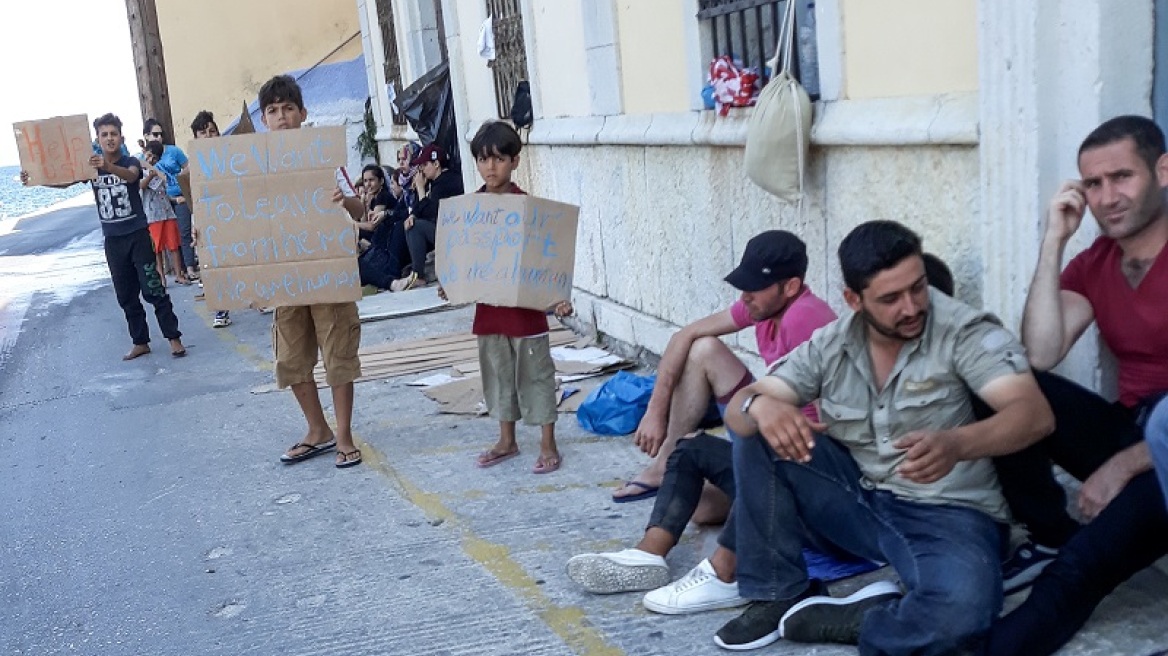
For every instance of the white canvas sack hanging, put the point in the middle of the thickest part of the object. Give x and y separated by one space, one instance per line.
779 133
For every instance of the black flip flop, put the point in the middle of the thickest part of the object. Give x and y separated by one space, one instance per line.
349 463
313 451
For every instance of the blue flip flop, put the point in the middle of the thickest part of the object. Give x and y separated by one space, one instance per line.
648 492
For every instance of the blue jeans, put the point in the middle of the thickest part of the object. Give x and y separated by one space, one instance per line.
182 211
948 557
1156 434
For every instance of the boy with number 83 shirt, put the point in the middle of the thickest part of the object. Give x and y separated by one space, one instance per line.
129 251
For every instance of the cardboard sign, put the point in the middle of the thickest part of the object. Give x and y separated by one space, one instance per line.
506 249
55 150
269 232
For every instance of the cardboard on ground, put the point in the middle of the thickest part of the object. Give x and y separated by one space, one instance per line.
510 250
55 150
269 233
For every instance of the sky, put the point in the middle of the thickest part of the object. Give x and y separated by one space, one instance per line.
63 57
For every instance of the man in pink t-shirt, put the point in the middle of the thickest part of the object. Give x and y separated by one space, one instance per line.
698 371
697 366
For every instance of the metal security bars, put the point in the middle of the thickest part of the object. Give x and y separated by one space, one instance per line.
746 30
510 64
389 43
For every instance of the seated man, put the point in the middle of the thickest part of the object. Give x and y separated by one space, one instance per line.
785 313
1120 283
697 369
903 474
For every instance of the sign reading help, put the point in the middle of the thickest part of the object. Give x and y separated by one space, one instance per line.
55 150
269 232
510 250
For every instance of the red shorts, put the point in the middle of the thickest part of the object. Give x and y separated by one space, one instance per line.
165 235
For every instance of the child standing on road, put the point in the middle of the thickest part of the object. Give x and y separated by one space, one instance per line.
160 215
204 127
519 376
301 331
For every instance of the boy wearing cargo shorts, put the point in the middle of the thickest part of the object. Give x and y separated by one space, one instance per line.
299 332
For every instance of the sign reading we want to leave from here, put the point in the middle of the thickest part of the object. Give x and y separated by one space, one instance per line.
510 250
269 231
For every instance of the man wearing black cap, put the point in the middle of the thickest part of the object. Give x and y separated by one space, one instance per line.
698 369
433 182
697 375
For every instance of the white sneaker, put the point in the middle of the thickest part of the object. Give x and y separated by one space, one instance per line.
629 570
695 592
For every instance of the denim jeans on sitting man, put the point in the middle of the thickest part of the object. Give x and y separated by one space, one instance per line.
948 557
1156 435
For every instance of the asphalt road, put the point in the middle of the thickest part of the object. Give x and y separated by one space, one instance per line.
143 510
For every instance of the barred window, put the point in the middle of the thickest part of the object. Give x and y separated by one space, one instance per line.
510 64
393 75
748 31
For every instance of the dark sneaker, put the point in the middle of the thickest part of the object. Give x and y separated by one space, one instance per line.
1028 561
831 619
758 625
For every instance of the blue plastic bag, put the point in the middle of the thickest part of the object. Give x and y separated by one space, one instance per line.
616 407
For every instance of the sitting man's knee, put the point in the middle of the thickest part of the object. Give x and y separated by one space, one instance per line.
704 348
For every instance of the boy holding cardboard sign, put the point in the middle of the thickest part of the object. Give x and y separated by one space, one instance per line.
129 252
519 376
300 331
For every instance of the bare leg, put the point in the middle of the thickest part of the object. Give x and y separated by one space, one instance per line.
711 370
161 266
343 407
713 508
657 541
547 445
724 561
176 262
318 428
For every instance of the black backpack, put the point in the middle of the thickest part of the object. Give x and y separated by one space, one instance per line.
521 114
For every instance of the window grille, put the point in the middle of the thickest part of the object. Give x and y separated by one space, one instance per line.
393 75
746 30
510 64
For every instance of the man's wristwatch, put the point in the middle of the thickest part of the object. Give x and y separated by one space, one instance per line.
748 402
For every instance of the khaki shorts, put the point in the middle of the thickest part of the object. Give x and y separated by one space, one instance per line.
519 378
300 332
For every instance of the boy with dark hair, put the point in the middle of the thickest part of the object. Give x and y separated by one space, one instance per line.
301 331
128 248
204 125
172 163
160 215
519 376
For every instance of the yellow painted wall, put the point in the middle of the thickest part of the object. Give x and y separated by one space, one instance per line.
559 55
909 47
653 55
220 52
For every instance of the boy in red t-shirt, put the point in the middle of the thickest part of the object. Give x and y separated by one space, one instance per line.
519 376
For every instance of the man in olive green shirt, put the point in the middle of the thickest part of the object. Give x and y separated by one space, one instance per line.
898 473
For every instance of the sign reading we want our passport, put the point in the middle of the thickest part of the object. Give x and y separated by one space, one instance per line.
269 232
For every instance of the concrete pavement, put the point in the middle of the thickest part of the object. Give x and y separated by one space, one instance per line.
143 511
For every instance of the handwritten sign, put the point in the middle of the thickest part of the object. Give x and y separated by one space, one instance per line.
269 232
506 249
55 150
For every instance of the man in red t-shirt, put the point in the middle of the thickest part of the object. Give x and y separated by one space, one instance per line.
697 367
1120 283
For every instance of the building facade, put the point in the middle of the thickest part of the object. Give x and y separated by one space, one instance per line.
219 52
958 118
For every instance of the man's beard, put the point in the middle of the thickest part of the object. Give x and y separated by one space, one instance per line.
894 332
